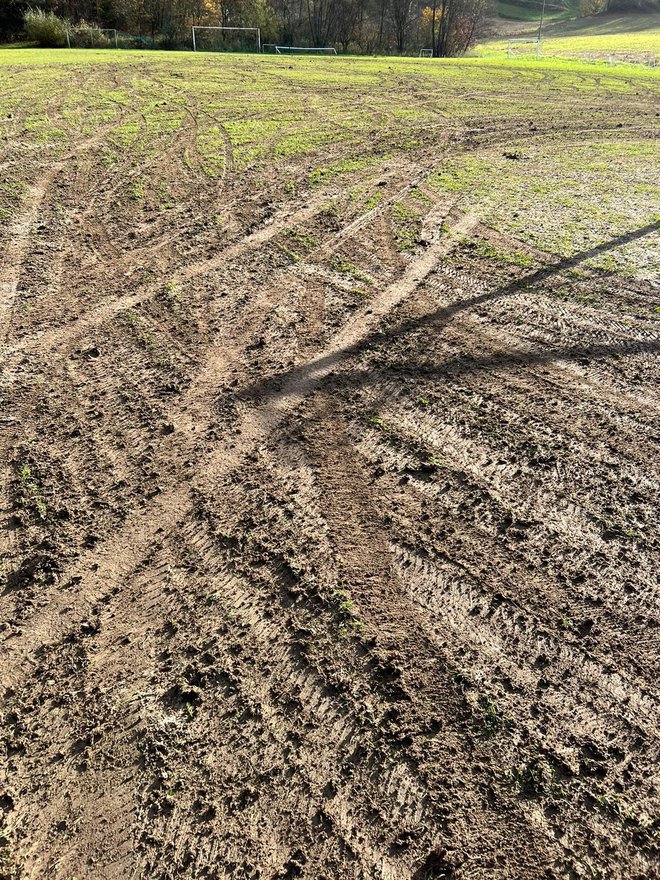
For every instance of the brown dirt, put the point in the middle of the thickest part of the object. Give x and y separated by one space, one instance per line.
309 582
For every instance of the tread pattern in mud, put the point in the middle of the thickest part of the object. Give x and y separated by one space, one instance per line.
328 542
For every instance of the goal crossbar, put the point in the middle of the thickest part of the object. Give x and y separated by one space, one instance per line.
533 41
329 50
200 27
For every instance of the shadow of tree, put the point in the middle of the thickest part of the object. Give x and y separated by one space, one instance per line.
305 376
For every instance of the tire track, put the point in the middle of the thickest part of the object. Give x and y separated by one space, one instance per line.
16 250
254 426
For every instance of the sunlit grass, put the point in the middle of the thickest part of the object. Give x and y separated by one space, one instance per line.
564 201
622 38
334 123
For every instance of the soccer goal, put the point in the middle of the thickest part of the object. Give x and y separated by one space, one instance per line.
303 50
225 39
426 53
111 35
521 48
92 37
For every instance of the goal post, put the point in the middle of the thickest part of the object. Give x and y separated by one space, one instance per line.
513 45
234 31
111 35
426 53
293 50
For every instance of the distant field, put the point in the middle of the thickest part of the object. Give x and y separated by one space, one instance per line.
329 477
627 38
524 12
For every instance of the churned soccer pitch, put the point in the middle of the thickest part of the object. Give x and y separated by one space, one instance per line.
328 467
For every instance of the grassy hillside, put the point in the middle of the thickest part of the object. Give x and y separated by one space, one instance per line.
530 10
627 37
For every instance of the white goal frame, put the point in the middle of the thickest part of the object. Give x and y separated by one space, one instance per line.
511 43
203 27
329 50
426 53
111 31
72 30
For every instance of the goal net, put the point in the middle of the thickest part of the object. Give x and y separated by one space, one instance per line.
88 36
305 50
225 39
524 48
426 53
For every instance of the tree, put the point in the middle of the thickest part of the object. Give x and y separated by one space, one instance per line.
11 18
401 11
322 15
291 19
452 24
350 14
448 26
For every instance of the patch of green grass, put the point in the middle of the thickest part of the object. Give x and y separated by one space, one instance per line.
261 113
137 189
340 264
330 210
307 140
491 719
420 196
524 12
32 490
292 255
373 201
407 226
534 779
589 299
246 157
211 150
346 166
126 134
347 612
307 242
566 202
42 128
382 425
509 258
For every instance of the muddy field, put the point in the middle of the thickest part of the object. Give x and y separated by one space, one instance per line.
329 484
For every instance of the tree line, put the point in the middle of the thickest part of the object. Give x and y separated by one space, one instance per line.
447 27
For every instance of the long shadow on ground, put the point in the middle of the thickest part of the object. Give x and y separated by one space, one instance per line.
272 389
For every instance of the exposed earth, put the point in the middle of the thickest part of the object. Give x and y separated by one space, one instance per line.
328 445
